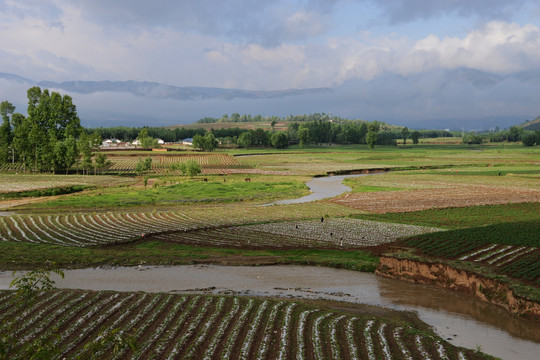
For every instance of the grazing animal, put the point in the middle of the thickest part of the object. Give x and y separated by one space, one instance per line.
247 179
322 219
205 180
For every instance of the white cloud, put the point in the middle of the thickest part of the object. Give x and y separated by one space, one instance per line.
498 47
69 46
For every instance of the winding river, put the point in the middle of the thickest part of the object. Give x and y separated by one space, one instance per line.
322 188
461 320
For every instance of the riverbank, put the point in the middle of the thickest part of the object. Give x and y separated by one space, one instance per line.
459 280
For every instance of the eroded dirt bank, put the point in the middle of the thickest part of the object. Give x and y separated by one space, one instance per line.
485 289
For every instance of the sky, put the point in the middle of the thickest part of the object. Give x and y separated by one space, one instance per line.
402 49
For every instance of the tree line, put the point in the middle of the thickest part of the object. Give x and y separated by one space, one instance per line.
50 138
513 134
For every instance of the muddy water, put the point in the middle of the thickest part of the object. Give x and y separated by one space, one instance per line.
322 188
461 320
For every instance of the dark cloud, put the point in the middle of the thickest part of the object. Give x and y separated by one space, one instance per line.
267 22
399 11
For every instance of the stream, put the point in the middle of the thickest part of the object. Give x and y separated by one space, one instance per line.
461 320
322 188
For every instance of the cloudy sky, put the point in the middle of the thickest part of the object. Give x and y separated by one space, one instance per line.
272 45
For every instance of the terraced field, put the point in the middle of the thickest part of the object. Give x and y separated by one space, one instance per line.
165 326
331 233
512 249
120 227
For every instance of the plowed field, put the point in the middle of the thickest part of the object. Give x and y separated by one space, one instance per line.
212 327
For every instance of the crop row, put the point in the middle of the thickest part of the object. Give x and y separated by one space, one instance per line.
117 227
522 262
330 233
162 164
80 324
93 229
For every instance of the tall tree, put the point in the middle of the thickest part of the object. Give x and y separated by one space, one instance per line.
371 139
21 145
280 140
414 136
405 134
303 136
51 118
6 135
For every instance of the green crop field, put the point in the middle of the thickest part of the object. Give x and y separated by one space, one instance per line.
477 208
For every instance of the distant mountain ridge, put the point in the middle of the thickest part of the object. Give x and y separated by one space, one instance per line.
458 99
163 91
531 125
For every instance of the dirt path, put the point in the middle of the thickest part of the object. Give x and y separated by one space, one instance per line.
8 204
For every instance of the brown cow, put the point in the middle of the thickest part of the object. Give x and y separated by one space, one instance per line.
247 179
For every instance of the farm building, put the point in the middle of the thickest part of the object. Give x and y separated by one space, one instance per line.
187 141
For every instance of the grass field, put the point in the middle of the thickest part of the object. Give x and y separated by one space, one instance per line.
169 191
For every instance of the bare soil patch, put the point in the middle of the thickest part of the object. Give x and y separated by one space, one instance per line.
438 198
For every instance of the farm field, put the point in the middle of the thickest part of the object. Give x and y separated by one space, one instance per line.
512 249
183 326
477 208
17 183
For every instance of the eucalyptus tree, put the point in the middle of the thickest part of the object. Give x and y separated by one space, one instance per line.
52 118
6 134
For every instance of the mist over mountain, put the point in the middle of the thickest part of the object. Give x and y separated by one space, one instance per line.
455 99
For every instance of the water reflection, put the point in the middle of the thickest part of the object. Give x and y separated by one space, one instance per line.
429 297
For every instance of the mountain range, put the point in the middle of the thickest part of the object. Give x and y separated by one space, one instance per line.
162 91
457 99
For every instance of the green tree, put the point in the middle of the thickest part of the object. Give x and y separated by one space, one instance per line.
143 165
20 143
414 136
528 139
244 140
147 142
405 134
371 139
207 142
190 168
303 136
471 139
273 124
374 126
101 162
84 147
6 135
26 288
51 118
280 140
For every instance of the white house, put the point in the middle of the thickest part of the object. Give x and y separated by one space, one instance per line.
160 142
187 141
